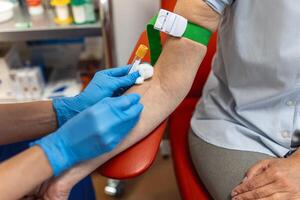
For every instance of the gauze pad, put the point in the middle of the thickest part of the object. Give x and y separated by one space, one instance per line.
145 70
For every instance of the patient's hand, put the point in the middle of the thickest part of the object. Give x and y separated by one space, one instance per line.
50 190
56 190
271 179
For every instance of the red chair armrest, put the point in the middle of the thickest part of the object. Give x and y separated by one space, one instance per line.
135 160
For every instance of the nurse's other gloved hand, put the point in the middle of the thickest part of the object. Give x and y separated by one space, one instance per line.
93 132
104 84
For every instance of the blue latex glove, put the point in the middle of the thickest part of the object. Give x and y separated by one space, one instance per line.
104 84
95 131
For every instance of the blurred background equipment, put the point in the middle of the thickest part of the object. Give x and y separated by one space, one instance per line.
35 7
62 11
46 50
6 11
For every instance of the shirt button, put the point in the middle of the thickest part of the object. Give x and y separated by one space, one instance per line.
290 103
285 134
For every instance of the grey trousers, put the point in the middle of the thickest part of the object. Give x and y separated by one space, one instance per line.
220 169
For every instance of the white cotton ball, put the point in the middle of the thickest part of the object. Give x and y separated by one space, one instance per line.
146 71
139 80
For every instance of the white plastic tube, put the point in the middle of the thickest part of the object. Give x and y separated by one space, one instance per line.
134 65
62 12
79 14
6 11
36 10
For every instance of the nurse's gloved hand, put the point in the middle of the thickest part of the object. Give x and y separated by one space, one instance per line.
104 84
95 131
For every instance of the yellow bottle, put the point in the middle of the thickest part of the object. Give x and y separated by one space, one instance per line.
63 15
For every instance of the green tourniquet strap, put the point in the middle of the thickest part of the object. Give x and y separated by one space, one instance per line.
192 32
197 33
154 41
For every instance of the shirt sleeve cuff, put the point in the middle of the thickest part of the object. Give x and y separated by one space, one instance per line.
218 5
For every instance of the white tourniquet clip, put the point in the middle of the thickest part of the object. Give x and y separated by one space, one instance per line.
170 23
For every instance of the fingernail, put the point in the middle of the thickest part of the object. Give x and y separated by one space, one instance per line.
141 106
245 179
137 96
138 73
134 97
135 75
233 193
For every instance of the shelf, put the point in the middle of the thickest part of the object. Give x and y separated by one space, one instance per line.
43 27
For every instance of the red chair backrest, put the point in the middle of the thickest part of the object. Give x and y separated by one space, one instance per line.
168 4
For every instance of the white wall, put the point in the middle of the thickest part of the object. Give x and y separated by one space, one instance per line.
130 19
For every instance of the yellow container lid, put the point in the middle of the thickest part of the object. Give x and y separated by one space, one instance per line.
67 21
141 51
60 2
